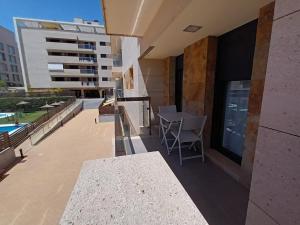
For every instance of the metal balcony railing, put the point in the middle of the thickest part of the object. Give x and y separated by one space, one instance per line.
89 83
89 71
87 46
88 59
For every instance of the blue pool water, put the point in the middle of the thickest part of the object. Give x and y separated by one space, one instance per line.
4 115
10 128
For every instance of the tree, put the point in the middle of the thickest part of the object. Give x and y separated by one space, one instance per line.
3 84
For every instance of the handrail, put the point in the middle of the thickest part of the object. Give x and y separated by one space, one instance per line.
89 71
83 58
145 98
22 133
87 46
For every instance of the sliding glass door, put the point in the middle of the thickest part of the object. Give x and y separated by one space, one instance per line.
178 82
235 116
232 86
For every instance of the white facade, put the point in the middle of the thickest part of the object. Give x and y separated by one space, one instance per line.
10 69
73 56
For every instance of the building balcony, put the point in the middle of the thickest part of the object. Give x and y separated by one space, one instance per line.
87 59
107 84
86 46
105 73
60 46
75 72
74 84
143 163
71 59
105 49
106 61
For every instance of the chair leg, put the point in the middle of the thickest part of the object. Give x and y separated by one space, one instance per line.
173 145
202 148
159 130
179 149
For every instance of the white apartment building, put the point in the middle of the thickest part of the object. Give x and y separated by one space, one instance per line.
73 56
10 69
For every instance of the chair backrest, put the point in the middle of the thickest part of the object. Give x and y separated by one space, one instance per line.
194 123
167 109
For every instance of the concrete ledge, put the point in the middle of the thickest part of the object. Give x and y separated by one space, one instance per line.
134 189
7 157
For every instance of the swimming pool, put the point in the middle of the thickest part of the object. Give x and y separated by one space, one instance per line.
10 128
4 115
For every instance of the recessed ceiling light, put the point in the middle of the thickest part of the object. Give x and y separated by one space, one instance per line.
192 28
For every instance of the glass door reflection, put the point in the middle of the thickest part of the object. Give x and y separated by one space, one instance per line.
235 116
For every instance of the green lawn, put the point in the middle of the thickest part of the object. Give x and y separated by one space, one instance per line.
25 118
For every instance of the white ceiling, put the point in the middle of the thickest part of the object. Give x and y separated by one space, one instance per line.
129 17
215 16
134 17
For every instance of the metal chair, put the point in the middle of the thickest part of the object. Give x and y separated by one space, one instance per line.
186 134
162 124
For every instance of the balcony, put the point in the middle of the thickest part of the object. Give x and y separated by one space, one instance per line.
75 72
71 59
61 46
105 73
107 84
105 49
74 84
87 59
86 46
89 71
106 61
206 183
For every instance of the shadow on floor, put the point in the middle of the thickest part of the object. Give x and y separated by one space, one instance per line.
220 199
5 172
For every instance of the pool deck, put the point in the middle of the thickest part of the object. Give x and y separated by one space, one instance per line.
36 190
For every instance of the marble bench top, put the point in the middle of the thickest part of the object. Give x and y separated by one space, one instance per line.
136 189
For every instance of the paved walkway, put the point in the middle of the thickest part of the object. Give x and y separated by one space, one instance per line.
35 191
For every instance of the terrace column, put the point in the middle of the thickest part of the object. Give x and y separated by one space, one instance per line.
198 80
169 81
274 193
260 60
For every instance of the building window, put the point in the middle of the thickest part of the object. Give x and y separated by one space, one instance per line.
3 67
55 67
2 56
14 68
102 43
104 67
16 77
103 55
12 59
1 46
104 78
3 76
11 50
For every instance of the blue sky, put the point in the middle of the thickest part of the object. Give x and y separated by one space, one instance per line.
63 10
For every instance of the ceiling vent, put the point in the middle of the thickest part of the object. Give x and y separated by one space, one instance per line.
192 28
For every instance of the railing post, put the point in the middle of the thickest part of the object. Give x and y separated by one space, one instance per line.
149 110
